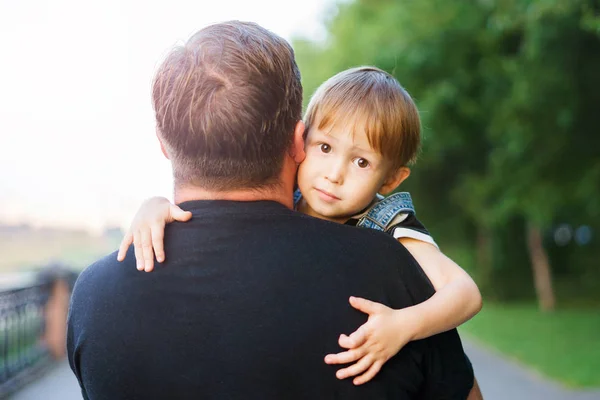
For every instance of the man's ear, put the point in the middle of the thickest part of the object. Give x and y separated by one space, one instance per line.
162 146
297 149
394 180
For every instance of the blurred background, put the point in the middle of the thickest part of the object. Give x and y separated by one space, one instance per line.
508 180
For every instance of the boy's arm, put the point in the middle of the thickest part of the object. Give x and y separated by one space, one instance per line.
457 298
147 231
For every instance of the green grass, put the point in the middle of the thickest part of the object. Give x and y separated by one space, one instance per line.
563 345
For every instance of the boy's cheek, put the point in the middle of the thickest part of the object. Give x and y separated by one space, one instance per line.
313 156
303 177
305 165
300 178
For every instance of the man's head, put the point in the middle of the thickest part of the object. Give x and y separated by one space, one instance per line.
227 104
363 130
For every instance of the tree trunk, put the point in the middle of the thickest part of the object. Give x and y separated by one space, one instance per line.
542 276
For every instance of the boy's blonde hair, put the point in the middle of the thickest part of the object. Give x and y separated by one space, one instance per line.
369 98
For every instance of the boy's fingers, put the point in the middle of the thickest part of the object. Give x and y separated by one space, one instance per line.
364 305
362 365
344 357
179 215
125 243
356 339
158 235
137 249
147 252
367 376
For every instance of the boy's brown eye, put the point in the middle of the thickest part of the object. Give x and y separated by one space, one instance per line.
325 148
361 163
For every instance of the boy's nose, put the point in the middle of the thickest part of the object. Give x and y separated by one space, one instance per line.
335 173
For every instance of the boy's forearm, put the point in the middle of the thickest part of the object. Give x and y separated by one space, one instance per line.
454 304
457 297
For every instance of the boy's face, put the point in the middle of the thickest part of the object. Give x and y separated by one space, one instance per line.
341 173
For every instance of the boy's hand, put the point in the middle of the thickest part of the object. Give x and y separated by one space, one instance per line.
147 231
375 342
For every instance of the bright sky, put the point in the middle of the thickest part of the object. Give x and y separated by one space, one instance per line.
77 142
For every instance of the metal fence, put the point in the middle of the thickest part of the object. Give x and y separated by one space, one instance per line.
23 351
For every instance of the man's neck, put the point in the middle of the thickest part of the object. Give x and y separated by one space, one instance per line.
281 192
278 194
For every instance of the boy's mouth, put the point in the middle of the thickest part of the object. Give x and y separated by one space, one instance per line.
326 196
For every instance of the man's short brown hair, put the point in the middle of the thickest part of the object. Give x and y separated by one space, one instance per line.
226 104
369 98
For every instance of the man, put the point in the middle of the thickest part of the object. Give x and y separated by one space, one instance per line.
253 295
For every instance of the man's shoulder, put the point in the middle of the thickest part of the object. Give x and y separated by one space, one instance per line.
100 273
316 223
367 240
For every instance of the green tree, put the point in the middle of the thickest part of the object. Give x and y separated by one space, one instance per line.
508 92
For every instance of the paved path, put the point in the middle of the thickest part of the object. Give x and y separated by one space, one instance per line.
57 384
498 378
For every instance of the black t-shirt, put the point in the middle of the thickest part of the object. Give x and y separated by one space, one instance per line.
251 298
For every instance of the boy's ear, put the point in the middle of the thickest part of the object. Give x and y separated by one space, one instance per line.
297 151
394 180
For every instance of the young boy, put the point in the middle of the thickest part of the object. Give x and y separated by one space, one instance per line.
362 131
